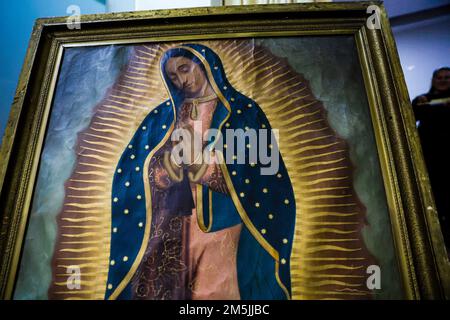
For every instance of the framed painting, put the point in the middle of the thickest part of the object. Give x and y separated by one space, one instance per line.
255 152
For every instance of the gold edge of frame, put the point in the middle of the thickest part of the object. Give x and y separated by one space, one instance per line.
7 139
431 215
433 228
229 10
199 37
52 72
396 213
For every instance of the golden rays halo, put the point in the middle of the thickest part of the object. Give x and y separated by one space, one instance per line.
84 223
329 258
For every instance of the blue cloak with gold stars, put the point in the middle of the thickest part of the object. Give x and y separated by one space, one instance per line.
267 210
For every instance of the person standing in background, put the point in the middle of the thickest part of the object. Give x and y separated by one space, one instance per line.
432 112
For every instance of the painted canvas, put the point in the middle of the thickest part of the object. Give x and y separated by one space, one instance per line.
225 169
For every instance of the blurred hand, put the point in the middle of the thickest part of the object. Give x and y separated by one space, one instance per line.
422 100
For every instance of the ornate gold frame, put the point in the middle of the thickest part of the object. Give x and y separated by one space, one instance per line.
420 250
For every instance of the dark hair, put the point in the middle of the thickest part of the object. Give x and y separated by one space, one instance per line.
439 70
179 52
435 73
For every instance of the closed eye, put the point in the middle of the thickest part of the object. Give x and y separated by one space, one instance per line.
183 68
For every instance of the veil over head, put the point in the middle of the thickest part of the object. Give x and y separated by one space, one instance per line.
263 258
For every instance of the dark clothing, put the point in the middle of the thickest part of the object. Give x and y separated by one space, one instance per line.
434 130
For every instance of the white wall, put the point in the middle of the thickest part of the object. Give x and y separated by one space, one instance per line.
401 7
120 5
239 2
166 4
423 47
131 5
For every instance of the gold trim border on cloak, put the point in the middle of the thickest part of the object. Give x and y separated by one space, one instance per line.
20 153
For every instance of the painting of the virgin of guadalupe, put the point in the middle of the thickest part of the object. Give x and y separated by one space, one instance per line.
276 193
